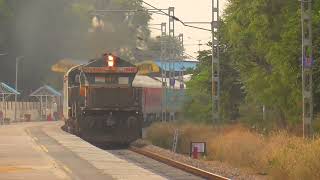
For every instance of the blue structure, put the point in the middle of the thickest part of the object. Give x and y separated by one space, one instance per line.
46 91
7 90
179 65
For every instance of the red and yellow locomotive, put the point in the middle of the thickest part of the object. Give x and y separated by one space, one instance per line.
100 104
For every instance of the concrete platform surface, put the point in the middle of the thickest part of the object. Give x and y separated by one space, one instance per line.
22 158
41 150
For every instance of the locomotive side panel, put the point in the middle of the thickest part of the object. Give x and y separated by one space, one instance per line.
175 100
152 100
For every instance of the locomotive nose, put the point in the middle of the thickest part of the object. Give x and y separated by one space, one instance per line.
132 121
110 121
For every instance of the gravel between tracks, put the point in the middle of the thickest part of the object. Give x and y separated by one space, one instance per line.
215 167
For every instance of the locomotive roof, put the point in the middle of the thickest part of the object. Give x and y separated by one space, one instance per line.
100 62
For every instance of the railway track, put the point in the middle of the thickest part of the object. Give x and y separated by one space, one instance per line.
191 172
178 165
124 153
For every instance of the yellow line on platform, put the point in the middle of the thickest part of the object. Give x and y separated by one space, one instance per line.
12 169
44 148
66 169
28 132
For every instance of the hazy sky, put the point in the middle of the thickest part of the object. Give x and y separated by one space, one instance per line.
187 10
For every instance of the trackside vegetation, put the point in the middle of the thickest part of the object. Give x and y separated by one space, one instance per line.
261 65
277 155
261 96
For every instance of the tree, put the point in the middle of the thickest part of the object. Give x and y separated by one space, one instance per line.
5 13
265 42
152 47
199 88
122 31
45 31
261 47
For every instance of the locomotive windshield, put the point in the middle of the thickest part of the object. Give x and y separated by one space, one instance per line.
111 79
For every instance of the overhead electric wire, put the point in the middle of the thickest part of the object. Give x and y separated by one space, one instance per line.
155 28
175 18
189 55
160 12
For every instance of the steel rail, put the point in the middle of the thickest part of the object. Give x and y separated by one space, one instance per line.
185 167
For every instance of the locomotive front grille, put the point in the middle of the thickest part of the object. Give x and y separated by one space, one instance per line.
110 97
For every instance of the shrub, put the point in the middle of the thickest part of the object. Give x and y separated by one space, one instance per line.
280 154
237 147
160 134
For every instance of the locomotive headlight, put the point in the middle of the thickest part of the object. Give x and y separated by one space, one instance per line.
110 58
110 61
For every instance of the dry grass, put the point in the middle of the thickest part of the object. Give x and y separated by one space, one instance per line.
161 134
280 155
230 148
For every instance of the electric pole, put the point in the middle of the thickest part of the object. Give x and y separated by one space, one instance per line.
307 62
163 59
16 87
172 56
215 62
199 44
181 53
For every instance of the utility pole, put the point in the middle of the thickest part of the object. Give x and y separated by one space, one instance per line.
216 75
181 53
172 55
307 62
199 44
215 62
163 58
16 86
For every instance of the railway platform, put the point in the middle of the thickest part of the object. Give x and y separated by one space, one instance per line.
41 150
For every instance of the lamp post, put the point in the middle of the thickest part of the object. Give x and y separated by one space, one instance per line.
18 59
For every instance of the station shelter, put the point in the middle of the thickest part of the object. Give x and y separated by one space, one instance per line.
50 102
5 92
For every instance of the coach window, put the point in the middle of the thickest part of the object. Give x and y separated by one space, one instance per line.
83 78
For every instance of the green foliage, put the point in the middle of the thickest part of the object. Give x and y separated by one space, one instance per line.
5 13
120 31
4 9
45 31
199 88
266 49
261 52
82 10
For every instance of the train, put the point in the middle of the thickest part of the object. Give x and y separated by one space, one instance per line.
158 103
105 101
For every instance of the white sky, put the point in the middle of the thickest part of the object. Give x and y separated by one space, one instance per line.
187 10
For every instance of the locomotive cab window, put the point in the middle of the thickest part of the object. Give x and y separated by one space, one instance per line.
123 80
77 79
100 79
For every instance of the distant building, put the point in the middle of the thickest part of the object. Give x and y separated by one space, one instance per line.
154 68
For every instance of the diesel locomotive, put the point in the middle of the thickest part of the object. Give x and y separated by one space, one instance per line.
100 103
